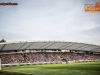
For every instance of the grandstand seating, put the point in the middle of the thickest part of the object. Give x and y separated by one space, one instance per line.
51 57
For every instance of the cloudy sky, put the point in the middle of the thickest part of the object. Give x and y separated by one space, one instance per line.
63 20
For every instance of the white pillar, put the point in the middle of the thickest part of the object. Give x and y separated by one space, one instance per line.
0 63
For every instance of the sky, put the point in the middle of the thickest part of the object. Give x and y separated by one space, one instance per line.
55 20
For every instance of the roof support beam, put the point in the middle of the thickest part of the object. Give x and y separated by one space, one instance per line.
50 45
83 46
64 45
44 45
95 49
80 46
70 45
29 45
22 46
3 47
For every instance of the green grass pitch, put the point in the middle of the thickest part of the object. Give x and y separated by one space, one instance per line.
85 68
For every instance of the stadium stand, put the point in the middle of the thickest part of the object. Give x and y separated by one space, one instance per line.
45 57
47 52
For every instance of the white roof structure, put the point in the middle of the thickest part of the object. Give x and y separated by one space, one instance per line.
49 45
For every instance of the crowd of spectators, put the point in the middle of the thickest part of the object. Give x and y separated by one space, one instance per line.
46 57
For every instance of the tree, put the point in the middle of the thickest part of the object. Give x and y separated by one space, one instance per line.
2 41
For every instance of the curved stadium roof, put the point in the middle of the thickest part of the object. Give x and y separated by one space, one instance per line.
46 45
